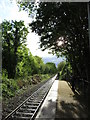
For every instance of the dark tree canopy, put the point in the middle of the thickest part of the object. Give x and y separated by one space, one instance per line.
55 20
63 28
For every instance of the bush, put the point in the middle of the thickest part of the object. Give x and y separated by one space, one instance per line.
45 76
9 87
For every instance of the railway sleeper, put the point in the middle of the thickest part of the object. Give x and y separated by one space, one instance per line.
20 118
42 93
28 103
37 102
29 106
24 114
38 98
26 110
33 98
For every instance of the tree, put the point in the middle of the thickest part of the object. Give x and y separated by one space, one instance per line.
41 65
64 30
13 36
66 71
50 68
61 65
27 64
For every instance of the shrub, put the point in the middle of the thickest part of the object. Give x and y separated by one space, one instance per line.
9 87
20 83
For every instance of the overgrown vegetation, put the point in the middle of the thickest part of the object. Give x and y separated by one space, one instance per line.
65 70
10 87
20 68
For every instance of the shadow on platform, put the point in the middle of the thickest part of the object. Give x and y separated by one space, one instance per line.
47 112
71 109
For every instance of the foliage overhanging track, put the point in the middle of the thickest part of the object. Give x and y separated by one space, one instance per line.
28 109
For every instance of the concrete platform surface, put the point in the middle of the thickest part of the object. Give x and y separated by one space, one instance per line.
48 108
61 102
69 104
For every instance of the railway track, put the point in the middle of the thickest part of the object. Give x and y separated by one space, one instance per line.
28 109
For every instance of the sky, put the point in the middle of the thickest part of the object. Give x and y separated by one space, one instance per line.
10 11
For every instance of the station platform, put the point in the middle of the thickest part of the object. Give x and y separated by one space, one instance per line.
48 108
61 102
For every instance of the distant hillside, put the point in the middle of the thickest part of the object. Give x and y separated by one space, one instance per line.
53 59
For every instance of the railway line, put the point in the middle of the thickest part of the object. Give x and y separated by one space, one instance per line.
28 109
